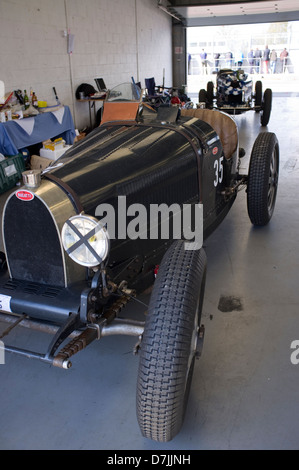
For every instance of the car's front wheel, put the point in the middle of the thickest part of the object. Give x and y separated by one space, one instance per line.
170 342
263 178
266 107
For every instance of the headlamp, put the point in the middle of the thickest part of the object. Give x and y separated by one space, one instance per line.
85 240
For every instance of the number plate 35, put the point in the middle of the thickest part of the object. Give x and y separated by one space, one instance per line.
218 167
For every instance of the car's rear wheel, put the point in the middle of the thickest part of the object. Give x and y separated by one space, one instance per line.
266 107
170 341
263 178
202 96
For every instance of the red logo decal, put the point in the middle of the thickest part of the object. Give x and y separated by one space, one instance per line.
24 195
215 150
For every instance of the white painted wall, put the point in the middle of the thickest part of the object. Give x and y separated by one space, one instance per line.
113 39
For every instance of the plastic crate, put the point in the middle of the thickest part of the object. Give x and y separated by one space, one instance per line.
11 172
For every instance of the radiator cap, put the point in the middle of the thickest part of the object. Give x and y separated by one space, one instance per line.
32 178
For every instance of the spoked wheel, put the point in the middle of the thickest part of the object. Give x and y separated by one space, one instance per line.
263 178
170 342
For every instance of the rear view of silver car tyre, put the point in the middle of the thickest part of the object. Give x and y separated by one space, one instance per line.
170 342
263 178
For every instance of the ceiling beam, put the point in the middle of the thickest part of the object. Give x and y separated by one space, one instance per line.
242 19
224 12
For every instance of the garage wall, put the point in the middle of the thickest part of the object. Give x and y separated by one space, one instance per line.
113 39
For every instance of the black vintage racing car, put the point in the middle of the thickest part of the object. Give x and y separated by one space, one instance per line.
78 246
234 94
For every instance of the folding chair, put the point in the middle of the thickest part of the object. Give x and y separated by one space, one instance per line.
155 95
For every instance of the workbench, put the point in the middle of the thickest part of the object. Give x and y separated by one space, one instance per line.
22 133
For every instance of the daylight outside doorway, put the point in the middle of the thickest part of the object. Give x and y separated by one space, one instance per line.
212 48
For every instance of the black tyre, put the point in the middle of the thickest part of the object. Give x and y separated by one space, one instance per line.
258 94
210 94
170 341
263 178
266 107
202 96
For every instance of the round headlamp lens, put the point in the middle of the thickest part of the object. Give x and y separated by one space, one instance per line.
85 240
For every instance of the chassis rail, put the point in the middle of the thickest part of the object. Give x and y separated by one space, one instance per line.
79 338
237 108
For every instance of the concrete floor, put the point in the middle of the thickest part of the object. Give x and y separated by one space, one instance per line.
244 393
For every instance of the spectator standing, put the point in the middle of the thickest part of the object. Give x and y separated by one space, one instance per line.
189 64
203 58
251 60
239 58
228 59
266 59
284 59
257 55
217 59
273 59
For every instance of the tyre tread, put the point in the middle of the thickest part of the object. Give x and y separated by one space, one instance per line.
257 190
160 387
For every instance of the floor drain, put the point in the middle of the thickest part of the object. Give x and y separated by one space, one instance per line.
230 303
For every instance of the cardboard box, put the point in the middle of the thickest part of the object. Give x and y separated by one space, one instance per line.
58 144
39 163
53 154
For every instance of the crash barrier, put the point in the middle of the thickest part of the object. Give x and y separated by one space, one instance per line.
253 66
223 125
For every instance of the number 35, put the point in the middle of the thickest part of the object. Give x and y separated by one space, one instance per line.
218 166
